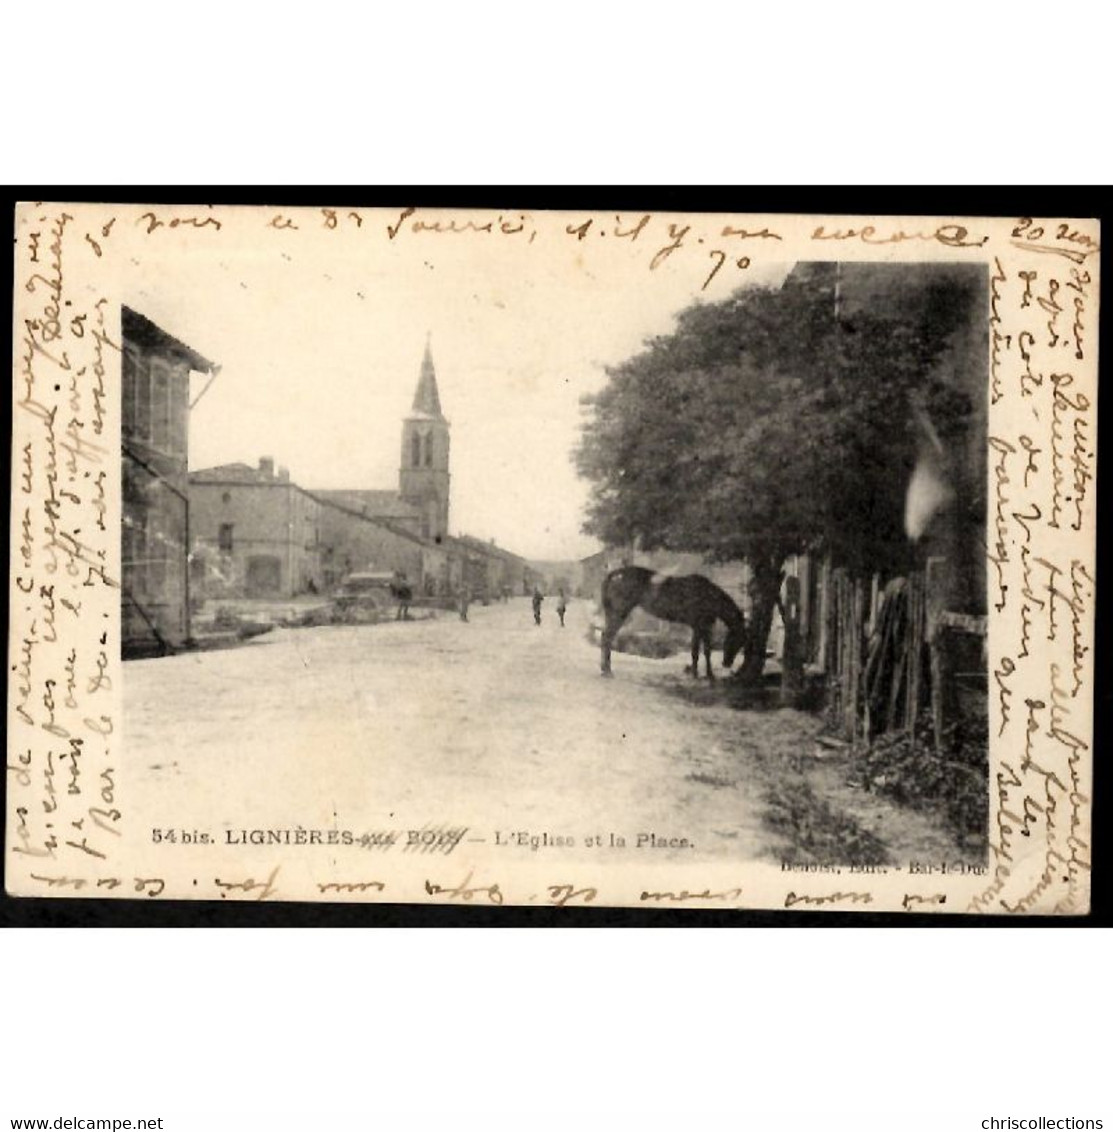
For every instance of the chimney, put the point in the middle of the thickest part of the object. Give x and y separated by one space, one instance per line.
284 475
266 467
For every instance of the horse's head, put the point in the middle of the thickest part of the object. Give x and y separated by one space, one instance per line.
732 646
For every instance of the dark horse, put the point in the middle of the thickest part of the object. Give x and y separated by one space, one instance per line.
691 600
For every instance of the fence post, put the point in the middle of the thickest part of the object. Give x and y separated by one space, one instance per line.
837 648
792 654
822 651
935 582
915 650
858 626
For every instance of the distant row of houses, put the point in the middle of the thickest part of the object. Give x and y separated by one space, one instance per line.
256 534
249 531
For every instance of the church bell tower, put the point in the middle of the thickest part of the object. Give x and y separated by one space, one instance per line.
423 476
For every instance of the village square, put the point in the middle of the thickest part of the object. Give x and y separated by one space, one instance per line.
351 642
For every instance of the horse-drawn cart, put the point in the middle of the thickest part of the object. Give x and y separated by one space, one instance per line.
365 597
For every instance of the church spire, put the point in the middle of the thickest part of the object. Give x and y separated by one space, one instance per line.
427 399
423 475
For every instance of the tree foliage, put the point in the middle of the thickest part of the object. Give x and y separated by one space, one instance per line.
766 425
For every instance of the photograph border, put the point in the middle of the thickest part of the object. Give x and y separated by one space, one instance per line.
984 201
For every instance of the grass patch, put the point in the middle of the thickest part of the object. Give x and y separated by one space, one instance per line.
817 833
953 782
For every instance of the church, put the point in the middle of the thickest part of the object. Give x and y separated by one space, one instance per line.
403 531
420 505
258 535
408 530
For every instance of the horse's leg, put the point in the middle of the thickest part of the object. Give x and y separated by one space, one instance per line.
695 654
614 616
611 626
707 653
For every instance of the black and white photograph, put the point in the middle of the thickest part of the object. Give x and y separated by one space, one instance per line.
571 558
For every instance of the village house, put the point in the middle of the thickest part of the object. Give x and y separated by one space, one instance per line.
352 540
155 582
489 570
255 533
516 573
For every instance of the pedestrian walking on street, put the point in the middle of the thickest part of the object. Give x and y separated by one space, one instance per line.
537 600
403 593
465 598
562 606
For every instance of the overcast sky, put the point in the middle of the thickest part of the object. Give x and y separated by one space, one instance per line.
320 342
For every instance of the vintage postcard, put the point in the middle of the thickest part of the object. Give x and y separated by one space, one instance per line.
552 558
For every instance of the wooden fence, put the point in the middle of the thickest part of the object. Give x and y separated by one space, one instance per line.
887 654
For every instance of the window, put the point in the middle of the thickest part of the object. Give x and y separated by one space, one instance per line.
156 566
129 368
139 552
160 405
177 394
150 546
141 397
428 451
129 552
415 450
224 539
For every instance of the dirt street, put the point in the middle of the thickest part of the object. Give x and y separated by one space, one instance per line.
498 725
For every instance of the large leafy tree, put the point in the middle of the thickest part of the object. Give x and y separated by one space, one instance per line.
765 426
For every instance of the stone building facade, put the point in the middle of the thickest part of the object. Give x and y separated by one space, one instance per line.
354 541
255 534
258 535
155 582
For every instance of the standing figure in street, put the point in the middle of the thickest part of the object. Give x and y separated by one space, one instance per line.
562 606
403 594
537 600
465 600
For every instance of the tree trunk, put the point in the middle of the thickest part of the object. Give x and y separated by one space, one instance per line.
792 661
765 591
